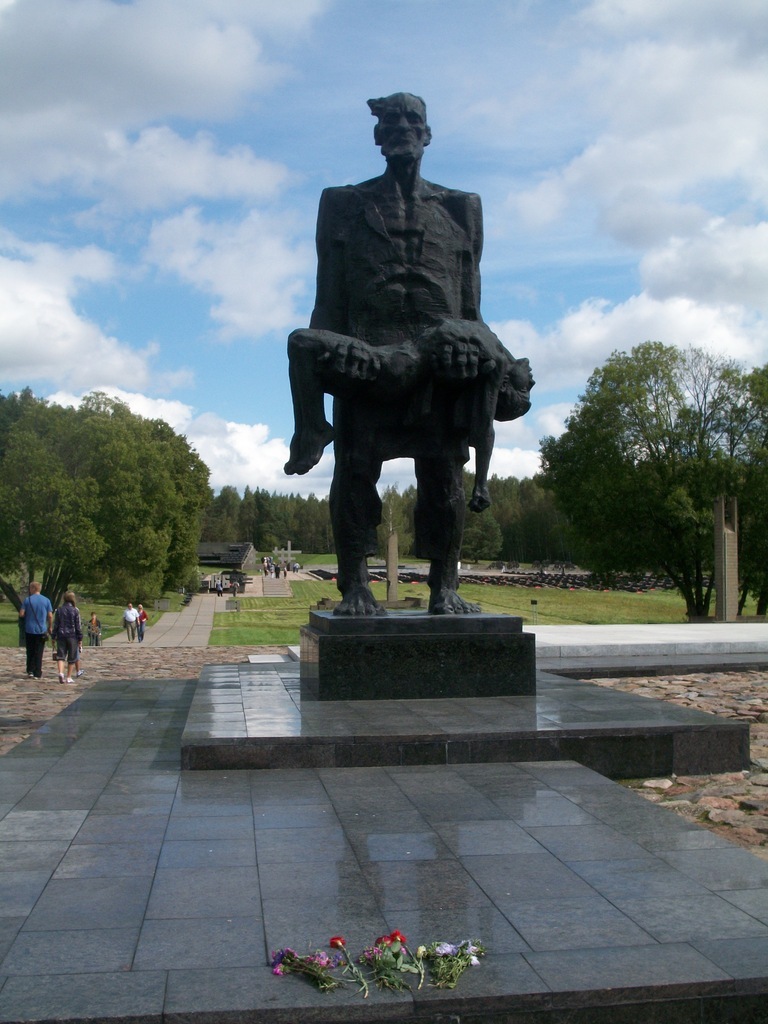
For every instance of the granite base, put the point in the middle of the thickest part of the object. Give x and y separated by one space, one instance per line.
413 655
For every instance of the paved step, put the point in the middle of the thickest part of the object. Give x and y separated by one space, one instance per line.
276 588
253 716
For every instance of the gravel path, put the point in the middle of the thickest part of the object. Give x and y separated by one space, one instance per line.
734 805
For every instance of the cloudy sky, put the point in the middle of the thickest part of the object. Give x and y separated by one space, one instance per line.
161 163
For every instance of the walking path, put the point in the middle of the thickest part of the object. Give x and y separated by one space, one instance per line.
191 627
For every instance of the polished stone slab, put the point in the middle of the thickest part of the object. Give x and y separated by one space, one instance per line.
255 716
410 654
161 897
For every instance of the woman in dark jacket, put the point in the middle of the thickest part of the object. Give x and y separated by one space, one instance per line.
67 634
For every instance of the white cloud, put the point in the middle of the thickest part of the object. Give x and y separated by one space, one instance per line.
514 462
253 267
176 414
551 419
42 336
238 454
516 449
672 109
639 217
584 338
131 62
687 19
156 169
725 263
75 76
161 169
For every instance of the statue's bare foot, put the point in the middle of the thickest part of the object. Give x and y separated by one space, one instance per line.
307 449
448 602
359 600
481 499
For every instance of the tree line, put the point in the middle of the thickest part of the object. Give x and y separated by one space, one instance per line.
99 495
522 525
657 436
96 496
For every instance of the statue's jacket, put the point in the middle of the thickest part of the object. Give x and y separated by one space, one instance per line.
388 270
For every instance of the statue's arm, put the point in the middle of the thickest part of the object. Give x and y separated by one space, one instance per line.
330 312
470 283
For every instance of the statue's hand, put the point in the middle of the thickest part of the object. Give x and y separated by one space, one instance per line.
460 350
352 359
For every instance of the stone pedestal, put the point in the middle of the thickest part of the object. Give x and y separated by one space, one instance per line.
416 656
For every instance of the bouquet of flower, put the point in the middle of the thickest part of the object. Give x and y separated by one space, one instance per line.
315 966
389 958
388 962
348 964
448 961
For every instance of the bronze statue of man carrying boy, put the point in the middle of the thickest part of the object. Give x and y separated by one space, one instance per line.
397 338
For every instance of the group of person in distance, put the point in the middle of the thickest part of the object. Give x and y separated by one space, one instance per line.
65 628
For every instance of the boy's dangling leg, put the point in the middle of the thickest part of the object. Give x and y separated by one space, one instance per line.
312 432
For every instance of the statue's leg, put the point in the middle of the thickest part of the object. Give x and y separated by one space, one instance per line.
312 432
482 436
355 513
439 523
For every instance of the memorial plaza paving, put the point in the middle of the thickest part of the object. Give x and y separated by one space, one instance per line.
131 889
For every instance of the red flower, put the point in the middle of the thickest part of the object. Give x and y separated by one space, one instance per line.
383 940
337 942
397 936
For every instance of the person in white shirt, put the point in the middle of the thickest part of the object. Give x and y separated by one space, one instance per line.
130 618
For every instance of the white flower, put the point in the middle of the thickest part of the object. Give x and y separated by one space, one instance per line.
446 949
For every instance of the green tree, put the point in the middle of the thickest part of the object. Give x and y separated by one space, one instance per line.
184 513
482 538
98 495
656 437
506 510
153 488
48 513
312 524
246 517
542 531
396 517
223 517
750 443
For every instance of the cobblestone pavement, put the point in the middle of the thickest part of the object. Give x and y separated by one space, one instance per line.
734 805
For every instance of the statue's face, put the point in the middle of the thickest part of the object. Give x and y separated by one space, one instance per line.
402 130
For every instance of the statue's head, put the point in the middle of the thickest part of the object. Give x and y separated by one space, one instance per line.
514 393
401 129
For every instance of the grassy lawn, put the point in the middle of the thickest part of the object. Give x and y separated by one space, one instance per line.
272 620
277 620
263 620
